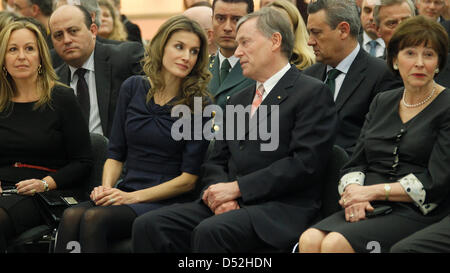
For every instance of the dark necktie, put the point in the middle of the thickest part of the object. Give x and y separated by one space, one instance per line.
83 93
332 75
373 48
224 69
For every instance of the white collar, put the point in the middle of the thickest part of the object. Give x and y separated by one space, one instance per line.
233 59
272 81
345 64
88 65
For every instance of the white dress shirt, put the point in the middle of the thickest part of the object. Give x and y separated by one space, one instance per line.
95 125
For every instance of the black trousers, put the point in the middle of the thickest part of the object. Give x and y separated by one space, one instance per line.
432 239
192 227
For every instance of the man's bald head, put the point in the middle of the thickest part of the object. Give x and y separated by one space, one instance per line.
202 15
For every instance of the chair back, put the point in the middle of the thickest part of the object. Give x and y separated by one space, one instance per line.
330 195
99 144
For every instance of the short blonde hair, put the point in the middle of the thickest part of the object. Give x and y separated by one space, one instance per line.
302 55
47 77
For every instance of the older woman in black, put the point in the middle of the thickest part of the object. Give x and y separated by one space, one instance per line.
402 156
44 140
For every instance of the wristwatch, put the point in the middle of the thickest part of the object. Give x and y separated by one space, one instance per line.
387 191
45 185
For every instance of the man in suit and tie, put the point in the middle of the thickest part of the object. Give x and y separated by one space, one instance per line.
353 75
227 78
256 199
368 37
94 70
388 14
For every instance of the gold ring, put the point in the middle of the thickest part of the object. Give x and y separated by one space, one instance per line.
343 200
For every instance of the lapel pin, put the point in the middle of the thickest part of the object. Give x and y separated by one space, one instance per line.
279 97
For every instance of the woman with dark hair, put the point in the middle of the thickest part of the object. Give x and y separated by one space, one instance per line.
159 169
45 141
397 181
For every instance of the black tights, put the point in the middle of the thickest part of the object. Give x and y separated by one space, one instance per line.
6 230
93 227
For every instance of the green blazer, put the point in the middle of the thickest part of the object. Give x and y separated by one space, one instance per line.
234 82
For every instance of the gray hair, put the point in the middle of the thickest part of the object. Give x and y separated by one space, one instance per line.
385 3
271 21
338 11
90 5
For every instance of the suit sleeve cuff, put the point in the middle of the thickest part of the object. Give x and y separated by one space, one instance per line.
351 178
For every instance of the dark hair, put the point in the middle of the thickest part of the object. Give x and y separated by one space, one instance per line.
338 11
413 32
250 5
46 6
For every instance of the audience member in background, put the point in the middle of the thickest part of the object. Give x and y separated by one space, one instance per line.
102 68
111 27
388 14
431 9
227 78
203 16
133 30
44 140
255 200
353 75
302 55
8 5
39 10
402 157
6 17
159 168
368 38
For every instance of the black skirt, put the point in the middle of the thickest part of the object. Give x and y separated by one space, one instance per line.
24 211
377 234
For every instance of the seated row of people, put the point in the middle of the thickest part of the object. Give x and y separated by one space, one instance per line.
245 184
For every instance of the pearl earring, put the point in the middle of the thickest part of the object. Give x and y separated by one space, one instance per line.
436 71
395 66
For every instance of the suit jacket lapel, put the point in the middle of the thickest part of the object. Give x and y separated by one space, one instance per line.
64 74
353 79
103 77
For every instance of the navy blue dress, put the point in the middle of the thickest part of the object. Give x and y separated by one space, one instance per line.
141 137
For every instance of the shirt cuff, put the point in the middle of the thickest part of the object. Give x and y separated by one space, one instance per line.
351 178
414 188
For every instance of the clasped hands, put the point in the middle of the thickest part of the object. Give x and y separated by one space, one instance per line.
356 201
108 196
221 197
28 187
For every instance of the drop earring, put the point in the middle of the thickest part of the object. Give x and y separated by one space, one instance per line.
395 66
39 70
436 71
5 72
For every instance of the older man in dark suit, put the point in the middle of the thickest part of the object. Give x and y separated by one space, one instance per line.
353 75
94 70
256 197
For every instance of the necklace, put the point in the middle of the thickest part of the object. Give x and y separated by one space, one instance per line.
419 103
